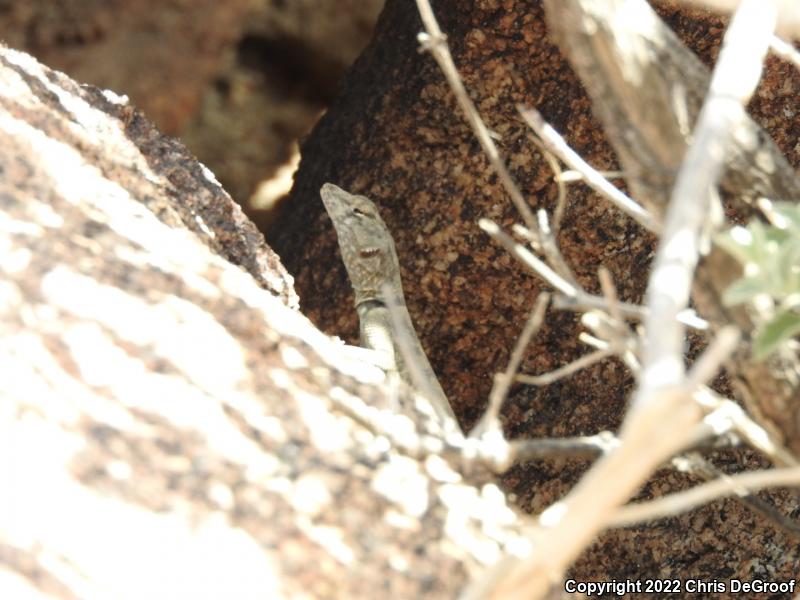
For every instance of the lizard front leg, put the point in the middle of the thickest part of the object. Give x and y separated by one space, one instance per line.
374 323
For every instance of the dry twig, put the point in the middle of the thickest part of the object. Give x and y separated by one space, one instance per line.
552 376
521 253
435 42
662 414
742 484
503 381
556 144
786 51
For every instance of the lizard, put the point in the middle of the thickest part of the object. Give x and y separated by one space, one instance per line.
370 258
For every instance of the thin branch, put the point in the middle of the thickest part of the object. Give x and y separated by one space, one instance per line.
556 144
767 208
584 302
735 77
771 513
699 465
430 390
521 231
590 446
609 293
593 341
662 414
502 382
726 414
674 504
435 42
581 363
551 251
571 175
786 51
708 364
788 12
521 253
609 324
604 442
559 178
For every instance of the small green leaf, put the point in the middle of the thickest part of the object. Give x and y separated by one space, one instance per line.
787 268
790 212
781 328
755 244
738 242
744 290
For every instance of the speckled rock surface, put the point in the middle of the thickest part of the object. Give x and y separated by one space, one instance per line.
395 134
169 428
203 206
177 189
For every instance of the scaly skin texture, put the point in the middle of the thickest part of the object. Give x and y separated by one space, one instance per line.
371 261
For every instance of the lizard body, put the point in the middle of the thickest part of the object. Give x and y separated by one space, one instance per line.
369 255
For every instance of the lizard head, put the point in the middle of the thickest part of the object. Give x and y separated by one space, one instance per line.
365 242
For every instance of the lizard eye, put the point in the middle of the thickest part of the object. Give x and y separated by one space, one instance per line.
359 213
368 252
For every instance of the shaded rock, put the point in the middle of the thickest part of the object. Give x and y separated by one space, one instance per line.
395 134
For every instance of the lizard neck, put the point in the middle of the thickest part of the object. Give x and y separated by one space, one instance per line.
378 293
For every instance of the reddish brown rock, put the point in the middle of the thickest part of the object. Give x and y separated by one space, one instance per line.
172 427
395 134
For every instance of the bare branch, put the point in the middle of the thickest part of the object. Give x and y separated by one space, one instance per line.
735 77
572 175
610 293
726 414
558 177
742 484
788 12
786 51
420 372
630 311
647 89
556 144
709 363
700 466
661 404
524 255
551 251
591 446
502 382
435 42
567 370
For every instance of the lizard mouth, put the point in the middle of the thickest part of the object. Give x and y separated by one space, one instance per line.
368 252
